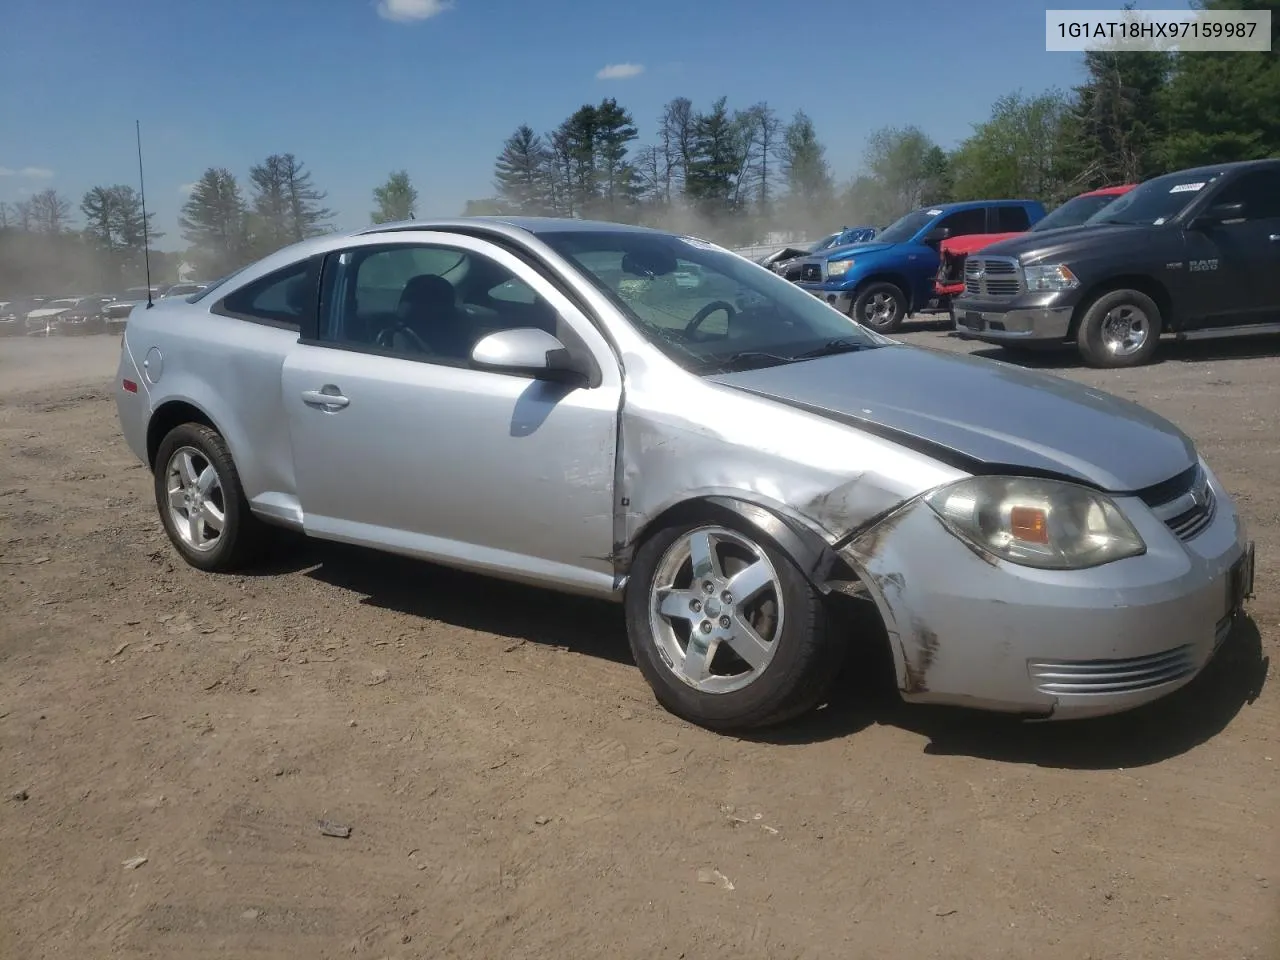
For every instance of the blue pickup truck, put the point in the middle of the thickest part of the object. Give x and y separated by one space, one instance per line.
880 283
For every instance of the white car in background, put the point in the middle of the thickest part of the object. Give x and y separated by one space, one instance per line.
41 320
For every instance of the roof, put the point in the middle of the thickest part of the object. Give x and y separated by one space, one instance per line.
1227 167
534 225
970 204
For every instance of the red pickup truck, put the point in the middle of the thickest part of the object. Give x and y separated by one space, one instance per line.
950 279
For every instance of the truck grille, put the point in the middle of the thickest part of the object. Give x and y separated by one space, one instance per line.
992 277
811 272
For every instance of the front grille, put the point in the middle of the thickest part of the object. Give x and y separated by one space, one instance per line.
992 277
811 272
1130 675
791 272
1191 523
1185 503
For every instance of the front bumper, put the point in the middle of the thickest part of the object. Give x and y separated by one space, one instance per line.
842 300
971 630
1038 317
76 328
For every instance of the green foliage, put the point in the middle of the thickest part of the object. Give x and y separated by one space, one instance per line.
396 199
214 222
1224 106
1018 153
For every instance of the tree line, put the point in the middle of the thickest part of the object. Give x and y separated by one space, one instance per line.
732 173
735 174
225 225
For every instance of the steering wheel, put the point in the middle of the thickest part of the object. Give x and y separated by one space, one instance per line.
707 311
386 338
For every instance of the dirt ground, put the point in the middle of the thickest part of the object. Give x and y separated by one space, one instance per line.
512 789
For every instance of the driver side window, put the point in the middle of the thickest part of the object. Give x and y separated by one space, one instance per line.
422 302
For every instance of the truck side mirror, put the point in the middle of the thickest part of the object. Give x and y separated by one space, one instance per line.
1219 213
937 235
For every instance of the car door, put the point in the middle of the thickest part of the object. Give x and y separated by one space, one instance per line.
400 442
925 258
1232 273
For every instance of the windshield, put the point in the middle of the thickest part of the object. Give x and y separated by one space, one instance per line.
1157 200
907 227
736 316
1074 212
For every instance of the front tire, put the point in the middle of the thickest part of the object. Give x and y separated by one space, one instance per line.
1121 328
880 305
726 629
201 502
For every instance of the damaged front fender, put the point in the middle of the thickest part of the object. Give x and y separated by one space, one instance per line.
950 612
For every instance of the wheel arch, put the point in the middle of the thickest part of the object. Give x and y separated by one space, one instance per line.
170 414
1143 283
898 279
812 555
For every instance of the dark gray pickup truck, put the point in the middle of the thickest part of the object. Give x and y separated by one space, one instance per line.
1194 254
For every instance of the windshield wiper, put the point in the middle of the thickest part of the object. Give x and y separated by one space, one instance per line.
832 347
746 360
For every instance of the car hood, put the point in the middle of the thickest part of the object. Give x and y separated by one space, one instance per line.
1035 246
982 416
853 249
975 241
46 312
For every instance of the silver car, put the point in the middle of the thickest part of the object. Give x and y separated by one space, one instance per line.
543 400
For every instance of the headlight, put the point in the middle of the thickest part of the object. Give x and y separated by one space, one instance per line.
838 268
1049 524
1050 276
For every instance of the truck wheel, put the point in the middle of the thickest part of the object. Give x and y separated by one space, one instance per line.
880 306
1120 329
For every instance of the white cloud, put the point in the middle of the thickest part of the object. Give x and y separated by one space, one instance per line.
186 188
620 71
33 173
408 11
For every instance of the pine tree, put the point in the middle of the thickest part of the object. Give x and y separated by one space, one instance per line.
522 172
213 221
396 199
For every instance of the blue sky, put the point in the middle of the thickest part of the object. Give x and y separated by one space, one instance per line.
357 88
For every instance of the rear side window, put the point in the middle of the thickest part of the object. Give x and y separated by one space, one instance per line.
284 298
1011 220
963 223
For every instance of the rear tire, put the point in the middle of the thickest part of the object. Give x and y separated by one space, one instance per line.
1121 328
880 305
201 502
721 661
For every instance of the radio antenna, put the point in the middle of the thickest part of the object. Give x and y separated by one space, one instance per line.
142 187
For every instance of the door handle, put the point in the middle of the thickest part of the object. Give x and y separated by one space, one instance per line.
321 398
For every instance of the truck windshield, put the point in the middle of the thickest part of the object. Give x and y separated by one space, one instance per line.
906 227
1157 200
707 309
1074 212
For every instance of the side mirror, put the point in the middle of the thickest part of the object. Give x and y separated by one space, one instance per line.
529 351
937 235
1219 213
